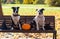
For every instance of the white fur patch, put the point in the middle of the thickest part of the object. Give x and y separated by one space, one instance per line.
15 19
40 20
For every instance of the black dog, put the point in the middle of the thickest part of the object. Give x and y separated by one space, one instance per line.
15 17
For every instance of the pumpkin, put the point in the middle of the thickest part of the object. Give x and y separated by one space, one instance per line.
26 26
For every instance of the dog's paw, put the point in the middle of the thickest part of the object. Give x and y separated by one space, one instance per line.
44 29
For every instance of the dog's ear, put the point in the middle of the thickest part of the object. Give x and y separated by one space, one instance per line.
42 9
17 7
36 9
12 7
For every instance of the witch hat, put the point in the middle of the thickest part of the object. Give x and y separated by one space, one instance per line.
4 27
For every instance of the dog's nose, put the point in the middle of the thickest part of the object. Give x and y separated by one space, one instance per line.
40 13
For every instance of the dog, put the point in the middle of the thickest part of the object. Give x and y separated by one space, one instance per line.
15 17
40 19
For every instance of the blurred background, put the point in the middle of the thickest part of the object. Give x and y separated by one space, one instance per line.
52 8
46 2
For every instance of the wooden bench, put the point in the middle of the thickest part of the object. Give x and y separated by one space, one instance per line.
28 19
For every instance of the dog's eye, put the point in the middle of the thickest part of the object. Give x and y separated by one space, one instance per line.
38 11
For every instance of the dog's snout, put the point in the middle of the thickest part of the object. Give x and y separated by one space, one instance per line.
39 13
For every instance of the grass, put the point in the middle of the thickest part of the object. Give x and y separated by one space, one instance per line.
29 9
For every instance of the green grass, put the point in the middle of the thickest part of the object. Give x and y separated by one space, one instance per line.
30 10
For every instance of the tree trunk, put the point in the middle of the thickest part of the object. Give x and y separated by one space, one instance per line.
8 1
1 14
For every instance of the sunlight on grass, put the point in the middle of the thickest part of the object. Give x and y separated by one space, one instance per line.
29 9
